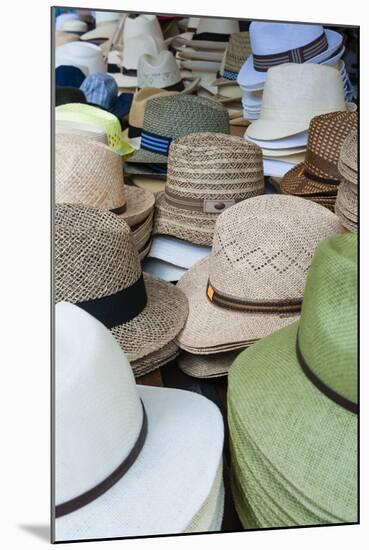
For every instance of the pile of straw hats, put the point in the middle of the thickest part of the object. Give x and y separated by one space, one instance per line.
347 196
292 406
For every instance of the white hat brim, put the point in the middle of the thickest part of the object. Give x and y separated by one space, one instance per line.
177 252
163 270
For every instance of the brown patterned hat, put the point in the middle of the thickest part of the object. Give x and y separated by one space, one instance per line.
318 174
347 195
253 281
207 173
97 267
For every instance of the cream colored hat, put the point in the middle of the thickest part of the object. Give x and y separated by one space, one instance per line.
75 26
104 31
207 366
253 281
86 57
162 71
145 24
211 33
293 94
62 37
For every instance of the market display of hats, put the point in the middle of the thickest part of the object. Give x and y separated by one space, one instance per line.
346 206
317 178
86 57
207 173
68 94
97 267
161 71
67 75
90 173
102 90
150 437
253 281
302 469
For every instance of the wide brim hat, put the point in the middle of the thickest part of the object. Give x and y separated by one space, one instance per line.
206 366
155 360
185 39
190 53
177 252
147 183
296 183
140 203
254 400
192 503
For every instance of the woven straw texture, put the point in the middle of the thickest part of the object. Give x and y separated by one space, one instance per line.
95 257
177 116
310 477
155 360
209 167
262 250
348 154
206 366
347 195
238 50
140 99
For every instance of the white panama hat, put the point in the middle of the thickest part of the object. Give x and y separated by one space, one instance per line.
171 439
60 19
85 56
102 17
74 26
144 24
161 71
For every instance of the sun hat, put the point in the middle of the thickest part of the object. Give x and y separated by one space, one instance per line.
79 113
102 90
215 365
169 118
316 457
79 129
62 37
102 17
155 360
161 71
153 184
346 206
207 173
105 31
185 52
293 95
144 24
86 57
253 281
318 174
274 43
97 267
62 18
211 33
238 49
68 94
177 252
164 431
90 173
75 26
67 75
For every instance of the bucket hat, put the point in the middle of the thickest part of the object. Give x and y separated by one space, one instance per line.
102 90
169 118
346 206
86 57
211 33
207 173
97 267
62 37
90 173
68 94
275 43
238 49
318 174
316 457
293 95
161 71
253 281
67 75
75 26
101 418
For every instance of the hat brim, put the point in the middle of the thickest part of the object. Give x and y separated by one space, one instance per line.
185 39
158 324
266 129
142 156
296 183
124 81
143 169
201 55
177 252
172 445
276 167
322 464
155 360
152 184
139 204
210 328
163 270
206 366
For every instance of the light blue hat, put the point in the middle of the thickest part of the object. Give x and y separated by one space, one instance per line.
100 89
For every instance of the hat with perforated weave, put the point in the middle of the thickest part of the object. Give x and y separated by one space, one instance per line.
347 196
253 281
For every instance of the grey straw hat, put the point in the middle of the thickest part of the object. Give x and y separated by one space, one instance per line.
238 50
169 118
347 195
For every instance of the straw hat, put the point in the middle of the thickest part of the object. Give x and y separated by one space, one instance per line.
105 31
169 118
154 185
62 18
253 282
74 26
277 43
293 95
62 37
211 33
207 173
206 366
86 57
102 17
310 476
145 24
347 196
89 173
237 51
155 360
101 418
318 174
161 71
97 267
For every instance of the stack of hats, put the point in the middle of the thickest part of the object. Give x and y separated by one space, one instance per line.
293 405
118 442
293 95
253 281
97 267
106 24
347 196
317 178
89 173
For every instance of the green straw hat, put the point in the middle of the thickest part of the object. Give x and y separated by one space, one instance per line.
292 402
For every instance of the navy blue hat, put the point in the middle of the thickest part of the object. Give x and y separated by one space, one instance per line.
67 75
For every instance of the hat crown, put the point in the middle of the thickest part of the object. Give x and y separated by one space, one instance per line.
60 19
67 75
94 253
157 71
348 153
107 16
238 50
263 246
101 89
137 46
178 115
214 166
217 25
140 99
74 25
87 57
144 24
274 38
98 414
328 326
87 172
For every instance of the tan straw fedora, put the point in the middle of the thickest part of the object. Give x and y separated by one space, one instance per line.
207 173
97 267
347 196
215 365
238 50
253 281
90 173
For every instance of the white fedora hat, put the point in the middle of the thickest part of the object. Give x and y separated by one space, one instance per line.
86 57
296 140
162 71
144 24
102 17
75 26
276 43
60 19
129 460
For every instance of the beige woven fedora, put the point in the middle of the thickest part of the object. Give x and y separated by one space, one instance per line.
347 196
155 360
161 71
207 173
293 94
90 173
97 267
215 365
253 281
238 50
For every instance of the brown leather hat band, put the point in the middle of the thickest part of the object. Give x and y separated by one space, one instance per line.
213 206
